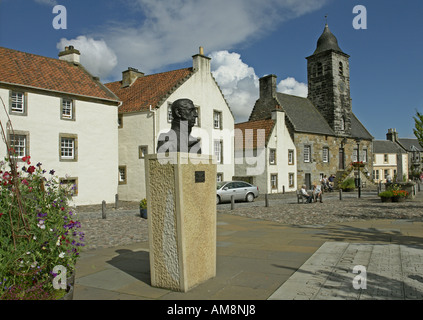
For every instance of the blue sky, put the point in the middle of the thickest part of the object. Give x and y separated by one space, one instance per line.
246 39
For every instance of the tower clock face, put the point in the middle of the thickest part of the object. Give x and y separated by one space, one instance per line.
341 86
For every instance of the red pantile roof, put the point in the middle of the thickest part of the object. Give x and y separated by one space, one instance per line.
244 139
149 90
30 70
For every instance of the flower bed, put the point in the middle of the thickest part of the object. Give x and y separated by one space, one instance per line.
393 194
38 231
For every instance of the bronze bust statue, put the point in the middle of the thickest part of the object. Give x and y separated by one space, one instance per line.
178 138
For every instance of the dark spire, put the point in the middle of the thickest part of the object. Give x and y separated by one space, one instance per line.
327 41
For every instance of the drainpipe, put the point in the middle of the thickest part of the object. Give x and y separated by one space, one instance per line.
154 128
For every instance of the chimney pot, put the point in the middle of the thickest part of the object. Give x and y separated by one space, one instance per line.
70 54
129 76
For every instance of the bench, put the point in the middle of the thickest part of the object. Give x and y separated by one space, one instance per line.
299 196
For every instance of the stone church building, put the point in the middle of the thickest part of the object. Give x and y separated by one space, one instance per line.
327 135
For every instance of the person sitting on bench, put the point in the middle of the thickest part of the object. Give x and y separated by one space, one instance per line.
305 194
317 192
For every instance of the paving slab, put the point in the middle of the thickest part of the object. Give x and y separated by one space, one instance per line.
357 271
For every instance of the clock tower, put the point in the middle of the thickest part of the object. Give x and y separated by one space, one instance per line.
328 77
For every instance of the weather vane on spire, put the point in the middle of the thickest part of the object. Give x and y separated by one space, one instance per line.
326 18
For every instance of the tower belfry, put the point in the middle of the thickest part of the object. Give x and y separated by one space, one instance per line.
328 78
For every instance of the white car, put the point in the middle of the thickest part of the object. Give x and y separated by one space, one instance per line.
239 189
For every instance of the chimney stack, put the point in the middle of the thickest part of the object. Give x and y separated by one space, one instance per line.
392 135
70 54
201 62
129 76
268 86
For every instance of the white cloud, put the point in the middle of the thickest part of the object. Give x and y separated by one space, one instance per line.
238 82
292 86
96 56
159 33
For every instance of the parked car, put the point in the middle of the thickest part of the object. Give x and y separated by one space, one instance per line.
240 189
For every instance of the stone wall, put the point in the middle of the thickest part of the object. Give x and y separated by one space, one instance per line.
316 166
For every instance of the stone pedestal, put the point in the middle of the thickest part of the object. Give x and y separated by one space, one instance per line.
181 206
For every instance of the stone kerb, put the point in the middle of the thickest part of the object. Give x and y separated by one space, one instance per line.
181 209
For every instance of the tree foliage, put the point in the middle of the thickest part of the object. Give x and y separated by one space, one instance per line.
418 127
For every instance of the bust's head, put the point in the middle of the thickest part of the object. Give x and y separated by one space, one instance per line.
184 110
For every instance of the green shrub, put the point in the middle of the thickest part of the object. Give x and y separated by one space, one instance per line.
347 184
386 194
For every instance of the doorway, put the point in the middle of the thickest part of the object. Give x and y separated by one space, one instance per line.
341 159
308 181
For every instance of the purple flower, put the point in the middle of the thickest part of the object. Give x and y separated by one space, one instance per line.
52 171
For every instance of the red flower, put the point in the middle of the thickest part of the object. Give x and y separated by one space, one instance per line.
31 169
26 159
7 176
25 182
1 214
62 208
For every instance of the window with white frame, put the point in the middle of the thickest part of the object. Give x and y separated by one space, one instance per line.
169 113
363 155
19 143
217 119
272 156
17 105
354 155
274 181
307 154
219 177
385 173
68 147
122 175
385 158
197 120
218 147
291 179
142 151
72 183
325 154
290 156
67 111
377 174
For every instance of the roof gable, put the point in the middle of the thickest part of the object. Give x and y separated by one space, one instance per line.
410 144
30 70
150 90
244 141
303 115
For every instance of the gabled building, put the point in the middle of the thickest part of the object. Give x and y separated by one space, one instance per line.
414 150
64 118
265 154
389 160
146 112
327 135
